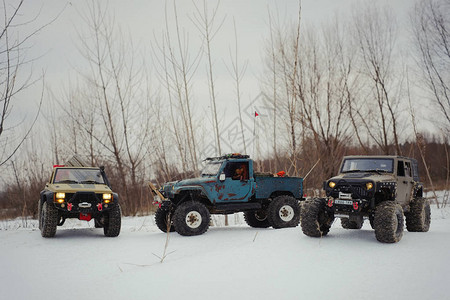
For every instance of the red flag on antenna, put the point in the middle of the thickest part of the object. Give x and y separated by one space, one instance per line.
256 114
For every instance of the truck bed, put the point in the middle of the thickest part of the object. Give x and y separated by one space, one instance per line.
266 185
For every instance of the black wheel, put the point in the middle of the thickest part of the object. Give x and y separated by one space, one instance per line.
347 224
315 220
283 211
257 218
389 222
191 218
419 217
113 222
372 221
164 220
48 220
39 214
98 223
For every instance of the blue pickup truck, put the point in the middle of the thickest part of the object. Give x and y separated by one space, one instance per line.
228 184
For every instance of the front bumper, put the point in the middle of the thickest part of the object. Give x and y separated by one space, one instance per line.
348 207
85 203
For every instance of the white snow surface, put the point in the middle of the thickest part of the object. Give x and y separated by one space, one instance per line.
233 262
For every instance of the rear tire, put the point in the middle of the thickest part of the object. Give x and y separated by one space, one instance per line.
113 221
419 217
48 220
389 222
164 219
347 224
257 218
39 214
315 220
283 211
191 218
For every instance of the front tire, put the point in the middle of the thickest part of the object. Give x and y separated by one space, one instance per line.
164 219
315 220
113 222
48 220
389 222
419 217
283 211
191 218
257 218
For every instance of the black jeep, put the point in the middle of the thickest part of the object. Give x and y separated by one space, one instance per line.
382 189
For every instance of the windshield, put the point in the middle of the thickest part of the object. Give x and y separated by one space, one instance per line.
66 175
211 169
368 165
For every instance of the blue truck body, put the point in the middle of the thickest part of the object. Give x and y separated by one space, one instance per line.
252 188
228 184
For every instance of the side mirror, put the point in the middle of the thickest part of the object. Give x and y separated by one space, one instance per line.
222 177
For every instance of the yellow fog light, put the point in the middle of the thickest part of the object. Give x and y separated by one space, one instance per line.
60 196
60 200
369 185
331 184
107 197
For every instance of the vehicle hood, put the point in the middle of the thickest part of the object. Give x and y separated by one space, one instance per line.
195 181
360 176
79 187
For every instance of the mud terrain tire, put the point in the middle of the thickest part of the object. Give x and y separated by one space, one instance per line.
419 217
257 218
283 211
347 224
113 221
48 220
389 222
191 218
315 220
163 215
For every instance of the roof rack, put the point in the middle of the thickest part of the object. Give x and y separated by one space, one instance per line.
228 156
76 161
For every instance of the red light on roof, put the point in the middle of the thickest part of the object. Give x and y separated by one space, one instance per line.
58 166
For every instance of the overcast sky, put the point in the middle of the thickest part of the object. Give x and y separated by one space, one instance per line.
56 46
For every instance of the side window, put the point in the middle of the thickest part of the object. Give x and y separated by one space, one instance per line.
415 171
400 168
408 169
236 170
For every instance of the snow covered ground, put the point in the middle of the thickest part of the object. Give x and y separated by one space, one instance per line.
234 262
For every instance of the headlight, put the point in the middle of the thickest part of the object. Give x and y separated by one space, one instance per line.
107 196
369 185
60 195
331 184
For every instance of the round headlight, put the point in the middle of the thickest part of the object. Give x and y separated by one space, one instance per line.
369 185
331 184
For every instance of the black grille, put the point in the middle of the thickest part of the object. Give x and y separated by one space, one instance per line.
80 197
357 191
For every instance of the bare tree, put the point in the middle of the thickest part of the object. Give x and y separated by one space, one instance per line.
375 34
431 27
325 66
116 86
205 21
176 69
14 78
238 73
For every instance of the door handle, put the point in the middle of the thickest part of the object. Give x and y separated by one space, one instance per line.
405 182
